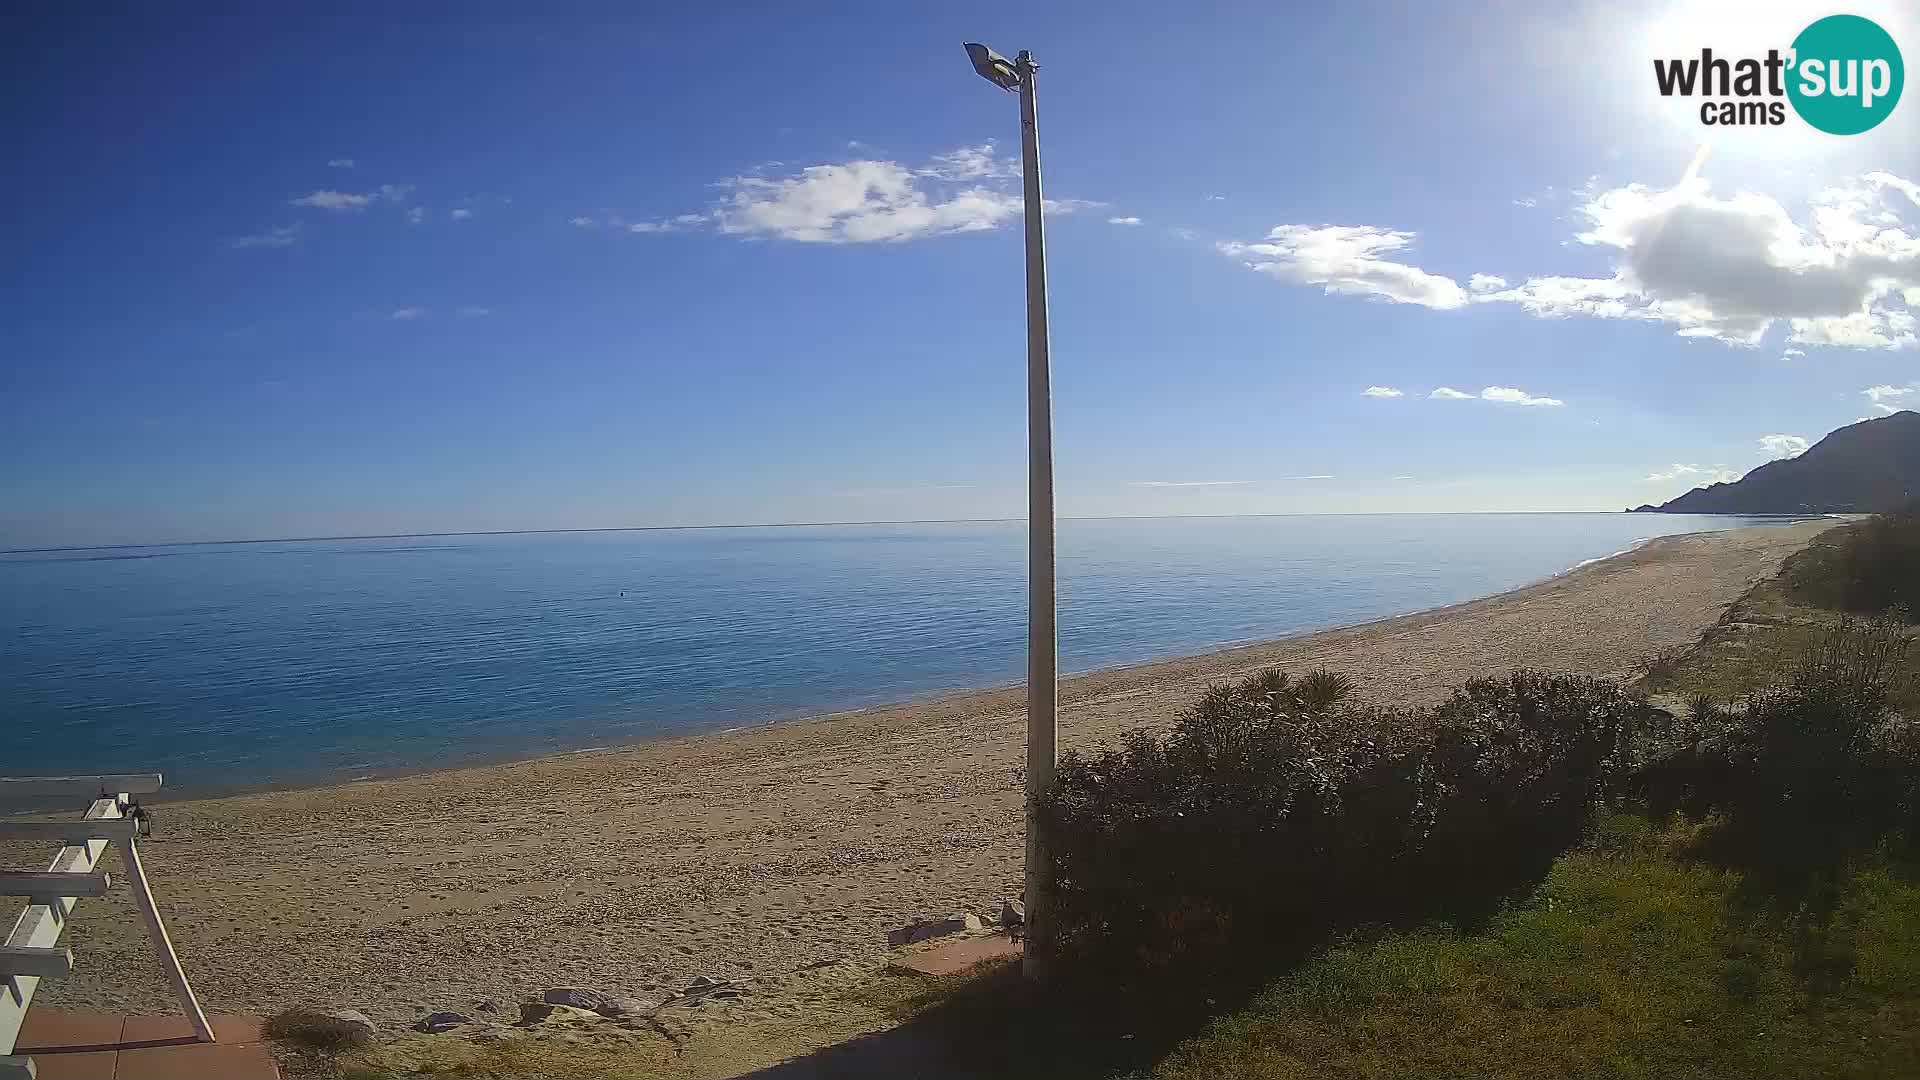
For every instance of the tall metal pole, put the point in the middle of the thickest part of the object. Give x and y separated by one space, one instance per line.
1042 660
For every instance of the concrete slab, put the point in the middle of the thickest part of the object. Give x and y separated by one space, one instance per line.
227 1027
952 957
46 1029
197 1061
111 1046
81 1065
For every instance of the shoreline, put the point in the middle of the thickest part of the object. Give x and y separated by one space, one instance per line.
768 852
203 793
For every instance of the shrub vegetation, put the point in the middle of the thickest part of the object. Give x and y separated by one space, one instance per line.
1815 770
1276 811
1869 567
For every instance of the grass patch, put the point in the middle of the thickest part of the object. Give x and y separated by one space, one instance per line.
1634 959
446 1058
1765 633
1639 957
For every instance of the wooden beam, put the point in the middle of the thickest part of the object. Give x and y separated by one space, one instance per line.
40 925
14 788
35 960
162 944
46 884
68 833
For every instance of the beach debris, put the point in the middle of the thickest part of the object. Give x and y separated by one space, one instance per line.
1013 913
703 989
923 929
615 1008
486 1006
577 996
440 1022
356 1018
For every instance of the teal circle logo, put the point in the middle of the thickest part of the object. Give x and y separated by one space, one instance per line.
1847 74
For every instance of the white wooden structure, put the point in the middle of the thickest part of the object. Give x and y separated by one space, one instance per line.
31 951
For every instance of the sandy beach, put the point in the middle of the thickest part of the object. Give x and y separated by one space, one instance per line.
756 854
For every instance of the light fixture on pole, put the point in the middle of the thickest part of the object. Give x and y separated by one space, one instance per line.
1016 75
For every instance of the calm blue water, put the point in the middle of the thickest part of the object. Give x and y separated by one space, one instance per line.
243 664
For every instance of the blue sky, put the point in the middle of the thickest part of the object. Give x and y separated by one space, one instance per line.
366 273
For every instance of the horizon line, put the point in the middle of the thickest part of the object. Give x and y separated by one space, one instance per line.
51 549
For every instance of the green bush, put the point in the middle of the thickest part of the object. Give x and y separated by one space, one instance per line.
1817 768
1870 567
1276 812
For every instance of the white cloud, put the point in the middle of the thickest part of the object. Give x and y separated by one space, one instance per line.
1503 395
1860 330
333 200
1509 396
416 215
328 199
407 314
970 163
1527 203
1718 474
475 311
1188 483
340 163
865 201
583 223
858 202
1730 268
1349 259
460 214
1382 392
1790 353
1846 274
1783 446
869 492
1123 221
1887 180
1887 398
275 237
1216 198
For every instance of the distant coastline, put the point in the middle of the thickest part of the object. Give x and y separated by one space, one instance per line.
348 538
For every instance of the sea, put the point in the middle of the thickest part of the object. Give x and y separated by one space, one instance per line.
232 666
